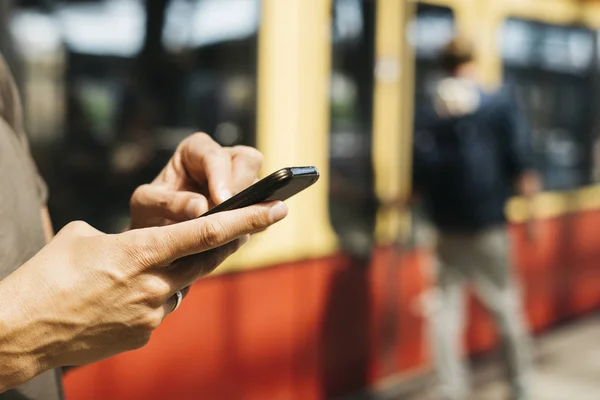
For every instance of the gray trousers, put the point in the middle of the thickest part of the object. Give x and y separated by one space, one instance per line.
481 260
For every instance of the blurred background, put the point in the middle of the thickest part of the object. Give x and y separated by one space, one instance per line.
327 305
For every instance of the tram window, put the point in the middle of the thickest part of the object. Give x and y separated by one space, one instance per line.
164 69
353 203
220 38
551 69
595 105
432 28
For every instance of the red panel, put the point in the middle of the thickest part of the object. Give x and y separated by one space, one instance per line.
412 351
319 328
584 266
307 330
539 264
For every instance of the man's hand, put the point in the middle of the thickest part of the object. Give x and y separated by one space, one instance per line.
529 185
88 295
200 175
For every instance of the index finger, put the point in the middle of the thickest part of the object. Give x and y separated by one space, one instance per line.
163 245
205 160
245 166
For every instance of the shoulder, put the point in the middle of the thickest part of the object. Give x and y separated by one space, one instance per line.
501 102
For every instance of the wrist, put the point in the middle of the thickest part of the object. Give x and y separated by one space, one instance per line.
22 344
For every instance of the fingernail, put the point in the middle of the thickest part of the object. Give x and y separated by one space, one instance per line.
278 211
224 194
243 240
193 208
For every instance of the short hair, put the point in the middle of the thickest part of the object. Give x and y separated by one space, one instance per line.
459 51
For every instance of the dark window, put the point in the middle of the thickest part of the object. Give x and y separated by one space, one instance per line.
551 69
139 75
432 28
353 203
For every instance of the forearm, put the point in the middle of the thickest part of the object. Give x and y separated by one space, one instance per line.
22 355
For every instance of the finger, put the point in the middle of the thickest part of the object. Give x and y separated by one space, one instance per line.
188 270
171 303
246 163
206 161
162 202
162 245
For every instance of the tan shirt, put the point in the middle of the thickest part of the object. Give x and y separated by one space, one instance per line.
22 195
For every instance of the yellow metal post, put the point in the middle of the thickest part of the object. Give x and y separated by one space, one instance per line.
293 125
391 116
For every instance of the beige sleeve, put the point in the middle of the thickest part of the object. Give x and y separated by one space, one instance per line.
11 111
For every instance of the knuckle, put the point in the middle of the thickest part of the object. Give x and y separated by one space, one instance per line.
77 228
156 318
212 233
155 290
180 201
199 137
78 224
151 321
119 275
138 195
213 152
259 218
252 155
141 252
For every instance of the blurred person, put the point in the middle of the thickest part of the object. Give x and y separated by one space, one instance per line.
85 295
471 152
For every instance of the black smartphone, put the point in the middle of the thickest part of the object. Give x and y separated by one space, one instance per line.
280 185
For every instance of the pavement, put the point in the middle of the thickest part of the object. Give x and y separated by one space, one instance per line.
567 360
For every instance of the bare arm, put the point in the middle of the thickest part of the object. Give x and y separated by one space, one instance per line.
122 281
20 362
49 235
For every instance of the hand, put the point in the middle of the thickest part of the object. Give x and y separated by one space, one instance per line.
88 295
200 175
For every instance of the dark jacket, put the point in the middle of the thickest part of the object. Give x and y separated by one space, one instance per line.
465 163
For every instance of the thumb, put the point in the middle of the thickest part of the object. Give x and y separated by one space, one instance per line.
163 245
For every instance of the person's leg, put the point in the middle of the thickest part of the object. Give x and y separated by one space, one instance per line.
446 317
497 288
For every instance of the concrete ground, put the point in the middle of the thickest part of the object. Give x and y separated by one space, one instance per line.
567 368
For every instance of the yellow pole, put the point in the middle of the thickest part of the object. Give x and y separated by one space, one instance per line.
392 116
293 126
